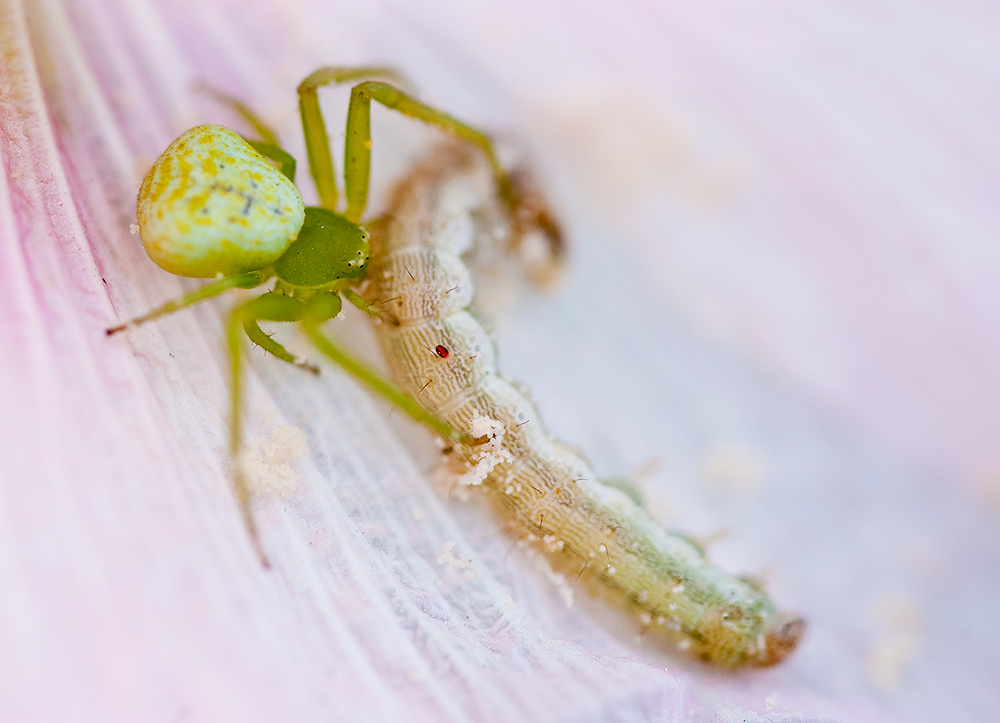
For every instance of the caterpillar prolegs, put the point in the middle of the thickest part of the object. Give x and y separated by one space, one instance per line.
544 492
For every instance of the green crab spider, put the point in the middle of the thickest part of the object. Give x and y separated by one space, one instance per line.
217 206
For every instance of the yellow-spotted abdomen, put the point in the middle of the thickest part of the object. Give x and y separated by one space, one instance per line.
213 205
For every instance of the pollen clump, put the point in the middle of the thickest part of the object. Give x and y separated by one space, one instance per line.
212 205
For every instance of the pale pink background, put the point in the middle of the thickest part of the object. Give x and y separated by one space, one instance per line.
785 264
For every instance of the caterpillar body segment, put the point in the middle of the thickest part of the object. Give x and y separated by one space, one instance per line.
545 493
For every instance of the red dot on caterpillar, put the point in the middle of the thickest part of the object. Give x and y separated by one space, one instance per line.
442 351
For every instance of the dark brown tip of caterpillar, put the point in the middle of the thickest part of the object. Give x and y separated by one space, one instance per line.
782 639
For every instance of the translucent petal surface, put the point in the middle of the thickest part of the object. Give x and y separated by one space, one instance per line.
784 289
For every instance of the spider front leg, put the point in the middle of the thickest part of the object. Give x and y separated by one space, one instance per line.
318 308
528 211
273 307
268 145
248 280
314 128
244 319
379 384
357 154
357 147
266 133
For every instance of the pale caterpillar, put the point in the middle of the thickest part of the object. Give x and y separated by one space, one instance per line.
543 491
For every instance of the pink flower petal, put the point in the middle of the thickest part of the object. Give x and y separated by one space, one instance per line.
784 287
